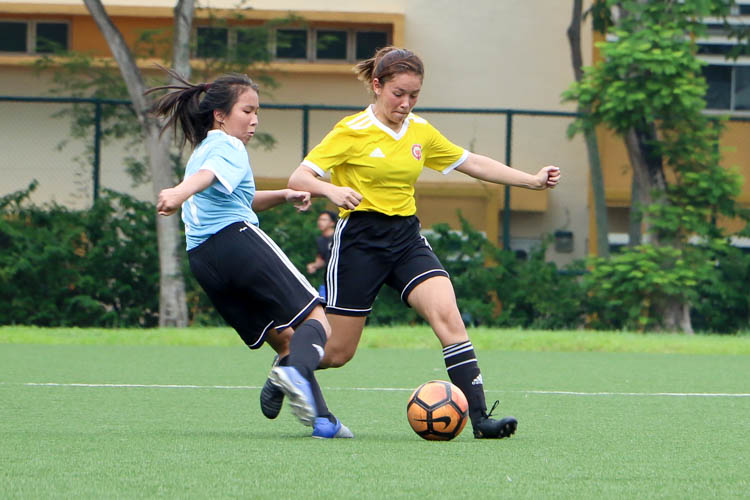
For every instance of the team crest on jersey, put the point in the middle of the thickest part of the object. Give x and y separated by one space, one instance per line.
416 151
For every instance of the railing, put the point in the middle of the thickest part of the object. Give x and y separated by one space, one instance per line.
306 110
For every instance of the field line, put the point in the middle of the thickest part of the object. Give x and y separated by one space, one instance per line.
384 389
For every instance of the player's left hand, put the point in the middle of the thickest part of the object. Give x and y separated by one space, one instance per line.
300 199
549 176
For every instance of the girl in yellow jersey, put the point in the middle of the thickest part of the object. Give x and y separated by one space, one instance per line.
374 158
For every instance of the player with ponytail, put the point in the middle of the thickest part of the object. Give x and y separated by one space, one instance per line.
374 158
250 281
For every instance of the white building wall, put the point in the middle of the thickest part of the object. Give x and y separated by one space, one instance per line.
477 54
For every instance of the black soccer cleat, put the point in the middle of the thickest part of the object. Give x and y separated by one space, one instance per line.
271 397
490 428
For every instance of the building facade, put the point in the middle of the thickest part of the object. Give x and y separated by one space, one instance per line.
484 57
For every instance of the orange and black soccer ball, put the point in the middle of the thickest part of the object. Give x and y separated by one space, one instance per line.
437 410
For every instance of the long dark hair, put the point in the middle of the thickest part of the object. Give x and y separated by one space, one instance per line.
386 63
194 114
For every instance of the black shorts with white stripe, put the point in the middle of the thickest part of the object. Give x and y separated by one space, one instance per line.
251 282
371 249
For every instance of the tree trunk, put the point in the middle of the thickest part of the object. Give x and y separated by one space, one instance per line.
635 234
172 297
677 317
592 147
649 186
648 175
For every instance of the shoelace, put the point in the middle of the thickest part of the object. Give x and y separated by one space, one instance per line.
489 414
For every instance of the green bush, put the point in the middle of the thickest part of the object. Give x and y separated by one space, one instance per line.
628 290
99 267
61 267
496 288
723 304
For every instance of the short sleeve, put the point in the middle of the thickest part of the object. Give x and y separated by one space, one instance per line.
441 154
331 152
229 164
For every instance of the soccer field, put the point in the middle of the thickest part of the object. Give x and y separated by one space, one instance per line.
116 421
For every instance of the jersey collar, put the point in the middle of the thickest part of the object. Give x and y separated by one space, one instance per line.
385 128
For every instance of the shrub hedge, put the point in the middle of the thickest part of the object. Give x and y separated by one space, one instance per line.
99 267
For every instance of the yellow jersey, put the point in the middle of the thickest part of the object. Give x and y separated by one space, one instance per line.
383 165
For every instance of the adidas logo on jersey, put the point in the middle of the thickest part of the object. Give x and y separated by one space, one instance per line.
377 153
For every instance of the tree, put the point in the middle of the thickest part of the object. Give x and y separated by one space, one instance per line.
78 74
649 89
172 301
592 147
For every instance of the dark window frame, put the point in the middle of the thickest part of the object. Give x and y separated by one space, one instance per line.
311 50
732 107
312 42
32 39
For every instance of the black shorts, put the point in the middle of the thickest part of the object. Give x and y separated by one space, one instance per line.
250 281
370 249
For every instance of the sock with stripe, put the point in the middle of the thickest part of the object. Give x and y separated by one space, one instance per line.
463 370
306 348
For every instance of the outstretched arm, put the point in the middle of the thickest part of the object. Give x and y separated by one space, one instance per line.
268 199
487 169
304 178
171 199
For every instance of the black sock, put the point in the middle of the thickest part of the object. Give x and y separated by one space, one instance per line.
320 401
305 356
463 370
306 347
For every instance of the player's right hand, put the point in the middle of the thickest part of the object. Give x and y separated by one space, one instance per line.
345 197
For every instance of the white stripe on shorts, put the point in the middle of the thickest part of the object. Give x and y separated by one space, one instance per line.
333 263
284 259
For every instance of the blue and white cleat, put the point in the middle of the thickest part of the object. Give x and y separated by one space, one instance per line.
297 389
324 429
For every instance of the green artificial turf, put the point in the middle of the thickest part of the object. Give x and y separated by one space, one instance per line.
182 421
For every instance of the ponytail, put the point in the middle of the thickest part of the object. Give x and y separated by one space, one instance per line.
386 63
195 115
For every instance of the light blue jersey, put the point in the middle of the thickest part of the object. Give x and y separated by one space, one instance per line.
226 201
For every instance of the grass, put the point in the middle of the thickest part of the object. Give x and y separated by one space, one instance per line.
408 337
173 414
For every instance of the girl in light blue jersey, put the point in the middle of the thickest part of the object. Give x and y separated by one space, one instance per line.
250 281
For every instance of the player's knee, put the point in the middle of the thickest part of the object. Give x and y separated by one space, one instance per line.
335 358
445 317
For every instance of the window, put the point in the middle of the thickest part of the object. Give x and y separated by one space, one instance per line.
252 44
211 42
324 44
13 36
728 87
51 37
719 80
291 44
742 88
330 44
368 42
248 43
33 37
727 71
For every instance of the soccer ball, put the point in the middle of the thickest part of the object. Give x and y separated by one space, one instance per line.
437 410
